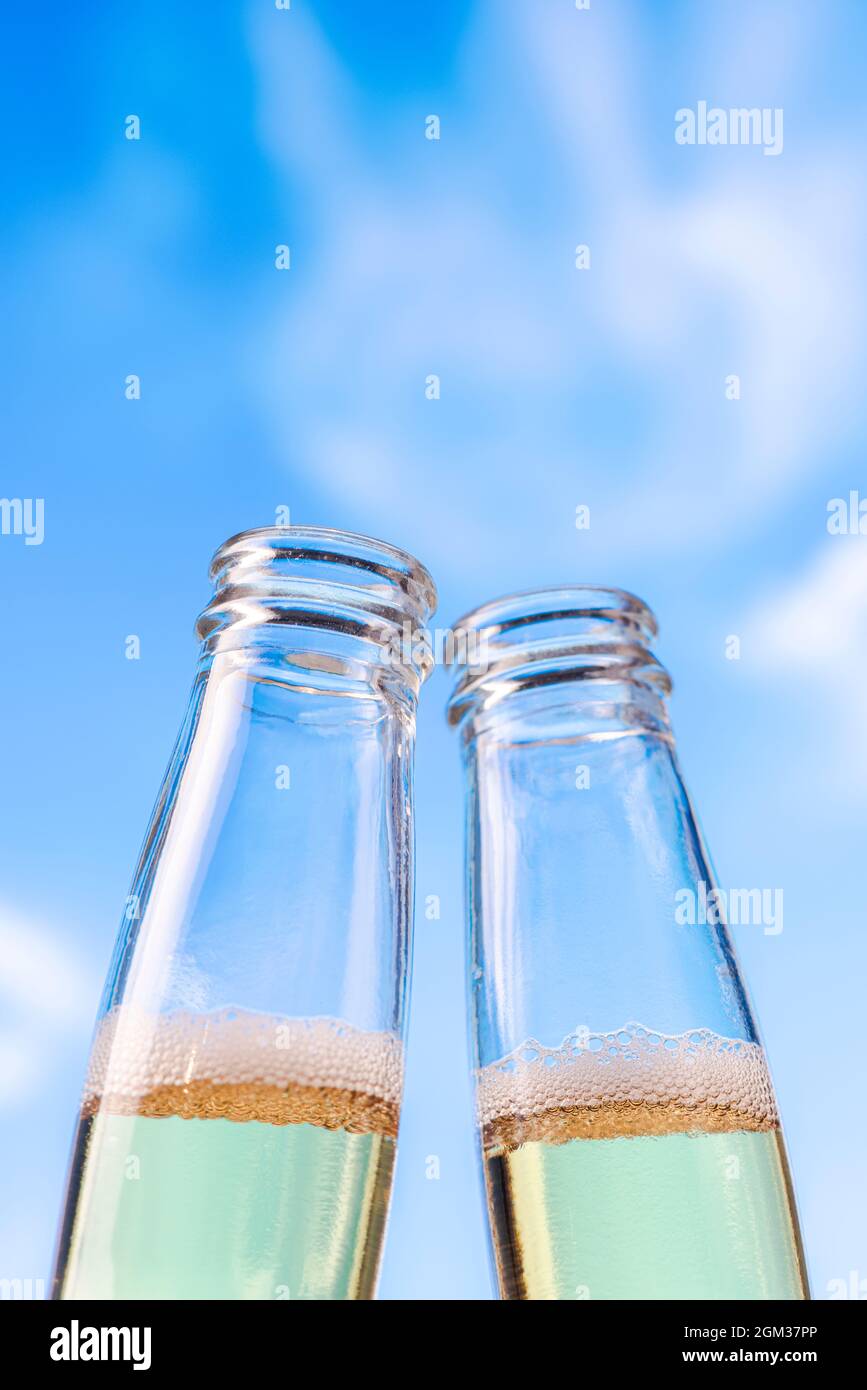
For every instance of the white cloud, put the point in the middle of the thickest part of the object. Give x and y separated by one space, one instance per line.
46 995
810 633
743 264
765 266
39 974
817 623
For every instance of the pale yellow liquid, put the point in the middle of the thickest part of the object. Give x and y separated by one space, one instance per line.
639 1200
229 1190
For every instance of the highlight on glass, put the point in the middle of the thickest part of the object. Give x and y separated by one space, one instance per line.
630 1139
237 1133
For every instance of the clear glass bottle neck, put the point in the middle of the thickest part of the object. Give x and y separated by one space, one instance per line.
331 611
559 664
582 840
286 810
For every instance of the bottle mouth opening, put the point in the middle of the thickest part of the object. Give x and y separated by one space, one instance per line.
568 601
548 637
316 577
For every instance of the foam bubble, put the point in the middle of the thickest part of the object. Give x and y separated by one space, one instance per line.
632 1064
135 1053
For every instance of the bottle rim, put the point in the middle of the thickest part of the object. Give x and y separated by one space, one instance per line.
318 577
556 637
324 543
529 606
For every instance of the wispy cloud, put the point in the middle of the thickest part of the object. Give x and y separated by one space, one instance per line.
46 995
751 267
731 269
811 632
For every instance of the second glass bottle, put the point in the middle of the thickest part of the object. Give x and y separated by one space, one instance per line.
630 1139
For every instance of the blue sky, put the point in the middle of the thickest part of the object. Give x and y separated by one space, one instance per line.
559 387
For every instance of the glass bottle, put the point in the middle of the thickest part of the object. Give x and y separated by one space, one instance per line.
630 1140
237 1132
